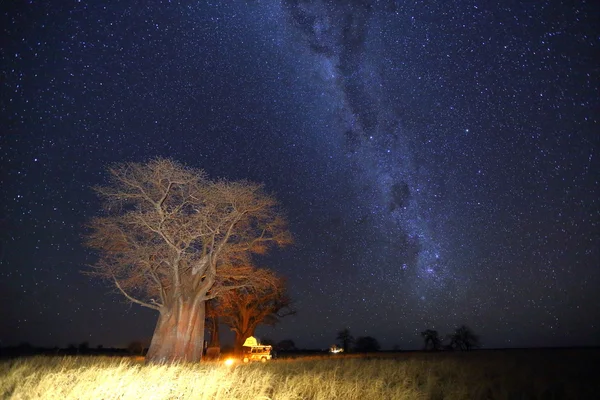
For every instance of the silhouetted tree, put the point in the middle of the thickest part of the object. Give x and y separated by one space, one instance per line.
345 339
432 339
464 338
171 239
83 348
245 308
366 344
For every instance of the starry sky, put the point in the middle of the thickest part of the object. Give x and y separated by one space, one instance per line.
437 161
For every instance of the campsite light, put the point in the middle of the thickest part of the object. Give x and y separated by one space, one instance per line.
229 361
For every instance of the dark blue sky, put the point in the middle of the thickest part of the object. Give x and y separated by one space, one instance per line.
438 161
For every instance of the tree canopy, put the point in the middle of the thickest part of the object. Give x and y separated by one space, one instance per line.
432 339
245 308
170 239
464 338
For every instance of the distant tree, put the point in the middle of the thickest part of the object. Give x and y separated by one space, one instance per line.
345 339
246 308
286 345
84 347
170 239
464 339
100 347
366 344
432 340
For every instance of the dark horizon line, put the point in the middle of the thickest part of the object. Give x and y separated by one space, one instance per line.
27 345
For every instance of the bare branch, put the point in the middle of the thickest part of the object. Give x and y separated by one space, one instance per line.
169 234
154 306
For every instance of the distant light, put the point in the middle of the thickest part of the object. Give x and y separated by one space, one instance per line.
229 361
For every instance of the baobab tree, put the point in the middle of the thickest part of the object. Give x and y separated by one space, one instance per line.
170 239
244 309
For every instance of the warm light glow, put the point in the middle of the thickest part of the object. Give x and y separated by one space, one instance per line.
334 349
229 361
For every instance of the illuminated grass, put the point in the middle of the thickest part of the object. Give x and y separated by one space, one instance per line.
486 375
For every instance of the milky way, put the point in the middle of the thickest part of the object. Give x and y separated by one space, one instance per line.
436 160
344 38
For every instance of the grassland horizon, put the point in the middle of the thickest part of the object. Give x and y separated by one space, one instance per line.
527 374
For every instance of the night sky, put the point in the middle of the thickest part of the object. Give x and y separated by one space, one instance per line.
437 161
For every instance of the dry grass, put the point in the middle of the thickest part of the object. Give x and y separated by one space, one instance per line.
547 374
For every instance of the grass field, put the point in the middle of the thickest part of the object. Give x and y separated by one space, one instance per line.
531 374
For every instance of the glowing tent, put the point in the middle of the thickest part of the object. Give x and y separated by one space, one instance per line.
251 341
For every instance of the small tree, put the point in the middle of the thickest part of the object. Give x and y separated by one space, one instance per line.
245 308
345 339
366 344
432 339
171 239
464 339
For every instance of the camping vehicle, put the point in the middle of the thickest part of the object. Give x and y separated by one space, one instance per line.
252 350
260 353
335 349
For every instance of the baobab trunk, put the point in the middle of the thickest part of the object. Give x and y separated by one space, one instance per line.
241 338
179 334
214 332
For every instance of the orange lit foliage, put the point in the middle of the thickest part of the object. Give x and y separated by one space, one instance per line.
244 309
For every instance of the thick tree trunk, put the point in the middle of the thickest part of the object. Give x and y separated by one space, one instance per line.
238 343
241 338
179 334
214 332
